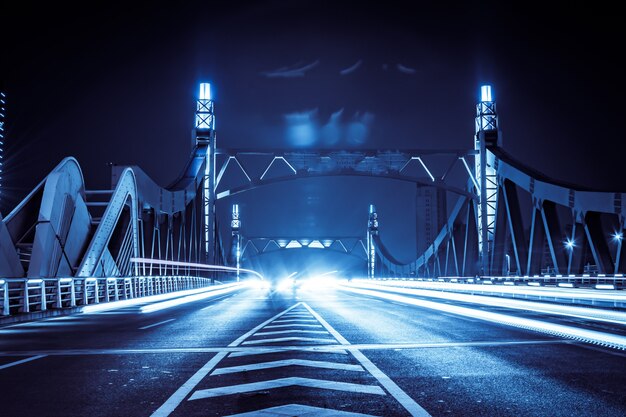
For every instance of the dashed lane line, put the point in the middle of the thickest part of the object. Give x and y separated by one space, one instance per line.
21 361
288 362
287 382
156 324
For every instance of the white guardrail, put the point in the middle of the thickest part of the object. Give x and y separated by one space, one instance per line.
25 295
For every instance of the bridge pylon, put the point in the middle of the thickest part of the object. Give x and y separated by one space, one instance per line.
204 134
372 230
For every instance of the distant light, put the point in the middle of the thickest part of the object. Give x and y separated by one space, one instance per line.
565 284
605 287
570 244
372 208
618 236
294 244
485 93
205 91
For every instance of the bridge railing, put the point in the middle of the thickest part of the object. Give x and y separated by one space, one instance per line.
26 295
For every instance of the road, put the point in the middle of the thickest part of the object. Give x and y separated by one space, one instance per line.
313 352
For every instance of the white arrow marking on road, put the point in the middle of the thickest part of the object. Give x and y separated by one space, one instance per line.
287 382
290 331
299 410
289 339
262 351
280 326
288 362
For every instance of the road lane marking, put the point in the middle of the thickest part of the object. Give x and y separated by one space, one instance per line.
299 410
291 331
402 397
255 351
156 324
174 401
289 339
287 382
21 361
282 326
294 321
287 362
258 350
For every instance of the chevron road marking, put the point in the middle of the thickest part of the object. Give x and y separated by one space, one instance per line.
287 382
288 362
289 339
295 321
280 326
263 351
299 410
174 401
290 331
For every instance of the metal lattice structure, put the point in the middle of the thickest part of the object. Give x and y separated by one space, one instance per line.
508 220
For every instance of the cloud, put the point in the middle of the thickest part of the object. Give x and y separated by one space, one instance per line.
291 72
351 69
405 70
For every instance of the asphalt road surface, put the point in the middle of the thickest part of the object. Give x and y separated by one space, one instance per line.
300 353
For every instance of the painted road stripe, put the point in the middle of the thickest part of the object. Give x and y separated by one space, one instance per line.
287 382
291 331
299 410
21 361
294 321
263 351
174 401
256 350
289 339
402 397
156 324
281 326
170 405
287 362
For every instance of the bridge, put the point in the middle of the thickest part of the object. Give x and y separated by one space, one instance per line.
141 300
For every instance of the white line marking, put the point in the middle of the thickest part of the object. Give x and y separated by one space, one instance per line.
254 350
289 339
294 321
287 382
288 362
170 405
299 410
263 351
281 326
290 331
402 397
21 361
156 324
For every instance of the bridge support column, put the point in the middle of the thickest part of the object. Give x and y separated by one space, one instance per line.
235 224
204 134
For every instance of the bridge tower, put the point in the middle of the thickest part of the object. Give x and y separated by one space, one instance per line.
204 134
486 136
372 230
235 225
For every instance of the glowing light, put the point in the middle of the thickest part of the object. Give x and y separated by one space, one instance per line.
316 244
224 289
594 336
204 267
618 236
605 287
294 244
570 244
485 93
287 283
95 308
205 91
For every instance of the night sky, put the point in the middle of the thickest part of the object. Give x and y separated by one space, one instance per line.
118 85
